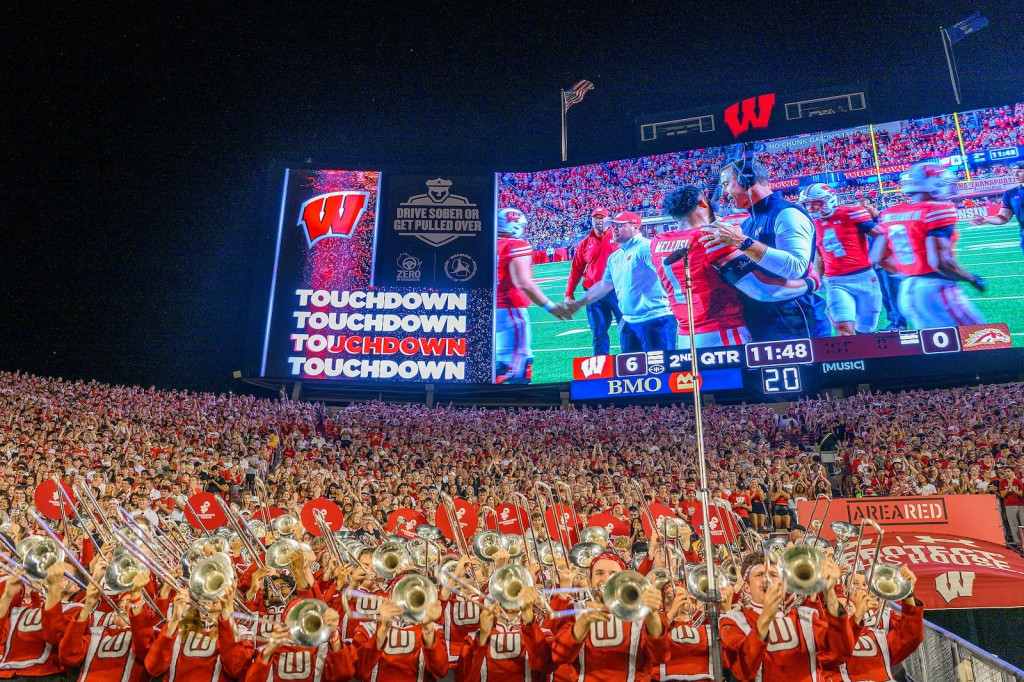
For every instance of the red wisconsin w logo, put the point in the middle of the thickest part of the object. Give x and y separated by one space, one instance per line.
332 215
756 112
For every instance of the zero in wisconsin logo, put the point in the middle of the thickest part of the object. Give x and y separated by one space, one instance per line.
332 215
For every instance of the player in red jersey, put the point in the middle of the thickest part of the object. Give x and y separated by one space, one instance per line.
763 642
717 307
853 297
919 240
513 355
603 648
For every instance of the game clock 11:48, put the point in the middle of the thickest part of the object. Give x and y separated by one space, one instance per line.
774 353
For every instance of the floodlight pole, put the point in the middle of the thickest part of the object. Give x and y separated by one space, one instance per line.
947 47
565 142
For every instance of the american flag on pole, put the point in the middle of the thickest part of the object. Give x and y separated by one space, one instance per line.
576 93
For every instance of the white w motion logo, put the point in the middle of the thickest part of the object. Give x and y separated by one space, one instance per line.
593 365
953 584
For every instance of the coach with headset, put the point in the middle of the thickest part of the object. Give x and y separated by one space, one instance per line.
778 238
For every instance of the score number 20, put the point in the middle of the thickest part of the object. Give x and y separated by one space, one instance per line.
781 380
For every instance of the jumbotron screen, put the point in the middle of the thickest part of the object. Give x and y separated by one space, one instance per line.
514 278
599 235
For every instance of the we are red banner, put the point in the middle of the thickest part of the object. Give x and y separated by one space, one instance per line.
961 516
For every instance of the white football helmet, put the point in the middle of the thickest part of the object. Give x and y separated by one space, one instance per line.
929 178
512 221
819 191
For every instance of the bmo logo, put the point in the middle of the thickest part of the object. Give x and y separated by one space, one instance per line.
637 386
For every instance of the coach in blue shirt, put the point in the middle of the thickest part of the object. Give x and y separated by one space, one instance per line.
648 322
778 238
1013 205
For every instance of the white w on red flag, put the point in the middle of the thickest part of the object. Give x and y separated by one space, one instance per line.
576 93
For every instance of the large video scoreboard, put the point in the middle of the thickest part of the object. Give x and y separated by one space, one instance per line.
796 366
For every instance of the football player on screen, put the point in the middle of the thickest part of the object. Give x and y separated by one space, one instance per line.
513 354
919 240
717 307
853 298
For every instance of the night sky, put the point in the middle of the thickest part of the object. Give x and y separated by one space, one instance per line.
137 148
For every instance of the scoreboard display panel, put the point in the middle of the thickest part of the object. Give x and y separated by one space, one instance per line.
794 367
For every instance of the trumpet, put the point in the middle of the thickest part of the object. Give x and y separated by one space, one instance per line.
699 584
279 553
306 625
388 559
844 532
70 557
211 578
800 570
506 584
597 535
284 525
488 543
414 593
583 553
623 596
883 579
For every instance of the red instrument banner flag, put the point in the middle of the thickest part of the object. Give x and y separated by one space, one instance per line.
615 526
327 510
404 522
560 522
962 516
659 511
512 519
467 518
51 503
203 512
722 524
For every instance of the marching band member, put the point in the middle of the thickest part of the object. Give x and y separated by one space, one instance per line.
33 633
102 644
690 654
880 646
400 653
762 641
284 660
189 648
504 649
604 648
461 612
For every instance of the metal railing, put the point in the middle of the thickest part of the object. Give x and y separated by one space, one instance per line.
944 657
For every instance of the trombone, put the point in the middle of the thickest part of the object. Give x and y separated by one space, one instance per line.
453 520
817 525
516 497
77 564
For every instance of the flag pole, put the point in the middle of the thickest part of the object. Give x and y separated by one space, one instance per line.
565 144
946 46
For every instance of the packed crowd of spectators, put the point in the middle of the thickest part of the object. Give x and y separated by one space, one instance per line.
558 202
147 447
